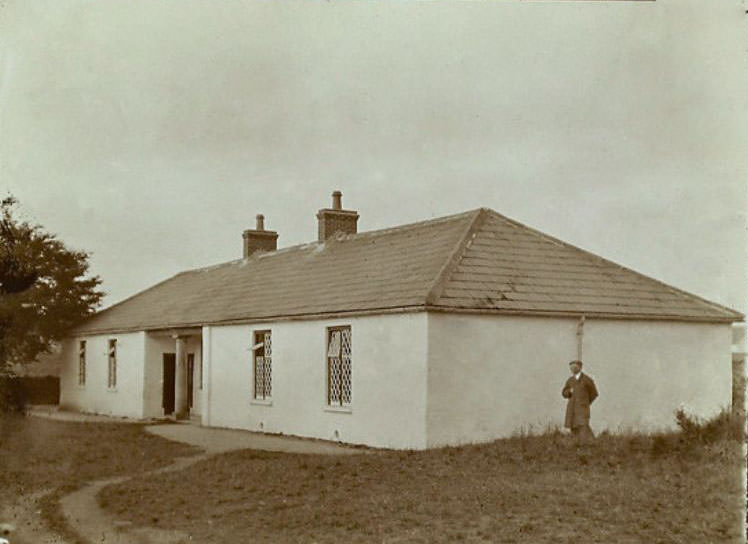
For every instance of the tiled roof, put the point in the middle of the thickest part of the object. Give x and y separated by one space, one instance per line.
474 261
506 266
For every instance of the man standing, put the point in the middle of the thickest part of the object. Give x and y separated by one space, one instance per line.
581 391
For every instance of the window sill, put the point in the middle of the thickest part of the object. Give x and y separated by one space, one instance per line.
81 386
262 402
111 389
339 409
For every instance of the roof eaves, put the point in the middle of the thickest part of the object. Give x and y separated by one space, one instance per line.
123 301
262 319
577 314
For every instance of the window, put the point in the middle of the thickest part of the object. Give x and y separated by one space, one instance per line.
82 362
263 364
339 366
112 373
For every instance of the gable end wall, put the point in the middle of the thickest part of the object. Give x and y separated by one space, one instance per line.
492 376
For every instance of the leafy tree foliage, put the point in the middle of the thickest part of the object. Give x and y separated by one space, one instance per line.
44 288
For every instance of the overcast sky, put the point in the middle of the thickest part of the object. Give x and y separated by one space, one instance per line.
150 133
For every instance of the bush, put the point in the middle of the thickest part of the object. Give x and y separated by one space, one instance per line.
723 426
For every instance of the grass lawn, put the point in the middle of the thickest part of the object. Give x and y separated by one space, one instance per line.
525 489
38 454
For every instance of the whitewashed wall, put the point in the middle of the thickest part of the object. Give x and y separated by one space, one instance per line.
388 377
194 345
155 347
489 376
126 399
648 369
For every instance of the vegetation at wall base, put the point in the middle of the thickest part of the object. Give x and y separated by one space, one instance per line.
725 425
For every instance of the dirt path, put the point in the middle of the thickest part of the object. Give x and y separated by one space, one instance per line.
84 515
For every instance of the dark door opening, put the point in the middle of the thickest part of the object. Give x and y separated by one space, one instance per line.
170 363
190 378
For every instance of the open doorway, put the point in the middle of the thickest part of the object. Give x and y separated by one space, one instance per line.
168 394
169 382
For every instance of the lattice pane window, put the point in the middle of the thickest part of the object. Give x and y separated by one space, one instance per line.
267 366
82 363
259 376
339 390
345 367
112 367
263 365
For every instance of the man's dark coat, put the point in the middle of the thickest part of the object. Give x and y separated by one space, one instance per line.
581 393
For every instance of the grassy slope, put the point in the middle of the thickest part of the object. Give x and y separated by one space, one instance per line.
532 489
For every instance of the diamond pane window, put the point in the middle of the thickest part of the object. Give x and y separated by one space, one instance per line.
263 364
267 373
339 388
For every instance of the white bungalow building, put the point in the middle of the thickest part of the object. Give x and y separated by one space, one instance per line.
447 331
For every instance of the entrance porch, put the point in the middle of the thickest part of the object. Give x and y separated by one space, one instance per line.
174 374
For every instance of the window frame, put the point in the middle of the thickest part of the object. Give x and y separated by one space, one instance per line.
82 363
265 392
341 404
112 364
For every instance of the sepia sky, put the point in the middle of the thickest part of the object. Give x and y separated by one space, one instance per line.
150 133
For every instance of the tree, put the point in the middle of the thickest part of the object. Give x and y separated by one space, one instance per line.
44 288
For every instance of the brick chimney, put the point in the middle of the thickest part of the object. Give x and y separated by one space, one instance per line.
335 219
259 239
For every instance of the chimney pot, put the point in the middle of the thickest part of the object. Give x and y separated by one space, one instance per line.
337 200
260 221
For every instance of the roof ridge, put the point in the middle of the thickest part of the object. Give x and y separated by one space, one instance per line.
406 226
455 256
339 237
558 241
